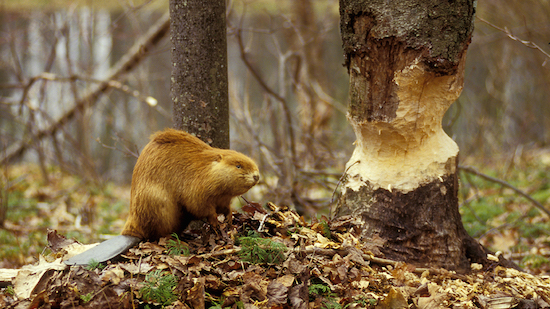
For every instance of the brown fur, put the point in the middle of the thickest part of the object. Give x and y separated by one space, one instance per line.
179 178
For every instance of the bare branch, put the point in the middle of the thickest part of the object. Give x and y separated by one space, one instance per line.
125 150
513 37
110 84
271 92
472 170
124 65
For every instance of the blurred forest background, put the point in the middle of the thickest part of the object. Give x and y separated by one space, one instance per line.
288 95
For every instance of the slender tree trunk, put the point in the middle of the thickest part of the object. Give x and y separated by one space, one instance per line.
406 65
199 69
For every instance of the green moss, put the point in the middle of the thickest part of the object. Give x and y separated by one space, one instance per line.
476 215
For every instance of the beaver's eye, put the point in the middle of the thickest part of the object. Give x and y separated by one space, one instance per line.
238 166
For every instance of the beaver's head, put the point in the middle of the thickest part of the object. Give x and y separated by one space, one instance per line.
237 171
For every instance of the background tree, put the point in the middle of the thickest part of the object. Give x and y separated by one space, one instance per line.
406 63
199 69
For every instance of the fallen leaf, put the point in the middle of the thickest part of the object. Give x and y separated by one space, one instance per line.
298 296
276 293
57 242
286 280
113 274
394 300
30 276
195 295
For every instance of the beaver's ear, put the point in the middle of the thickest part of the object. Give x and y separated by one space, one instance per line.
218 158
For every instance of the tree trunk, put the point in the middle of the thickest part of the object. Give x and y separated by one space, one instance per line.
199 69
406 65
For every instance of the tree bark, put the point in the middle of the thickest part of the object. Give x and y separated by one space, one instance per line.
406 65
199 69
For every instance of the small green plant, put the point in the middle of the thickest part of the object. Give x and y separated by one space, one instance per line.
261 250
217 305
176 247
159 288
10 290
365 302
86 298
216 302
333 304
317 290
325 229
94 264
254 234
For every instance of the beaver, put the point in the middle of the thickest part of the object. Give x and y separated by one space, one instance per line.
179 178
176 179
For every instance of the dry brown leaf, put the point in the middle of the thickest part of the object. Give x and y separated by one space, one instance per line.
286 280
212 282
134 269
432 302
195 295
394 300
298 296
254 288
276 293
149 248
294 265
57 242
346 272
30 276
76 248
362 284
112 273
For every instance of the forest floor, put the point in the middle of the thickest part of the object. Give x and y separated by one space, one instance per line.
271 257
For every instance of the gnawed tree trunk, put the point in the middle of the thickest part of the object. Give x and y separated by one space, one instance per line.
199 69
406 65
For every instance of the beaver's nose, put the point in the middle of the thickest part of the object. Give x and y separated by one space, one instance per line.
256 177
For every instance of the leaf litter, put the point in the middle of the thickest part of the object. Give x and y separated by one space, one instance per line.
322 264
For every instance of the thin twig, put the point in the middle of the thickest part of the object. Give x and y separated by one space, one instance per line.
114 84
472 170
271 92
338 184
126 151
506 31
342 252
